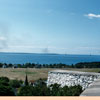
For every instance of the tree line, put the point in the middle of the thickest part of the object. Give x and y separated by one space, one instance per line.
19 88
60 65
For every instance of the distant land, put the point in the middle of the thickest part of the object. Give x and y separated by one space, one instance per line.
29 53
48 53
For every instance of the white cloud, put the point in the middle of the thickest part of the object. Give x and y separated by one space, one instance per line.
2 38
91 15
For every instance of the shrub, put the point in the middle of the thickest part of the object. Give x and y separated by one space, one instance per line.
15 83
25 91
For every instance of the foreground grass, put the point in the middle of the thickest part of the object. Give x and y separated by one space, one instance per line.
35 74
19 73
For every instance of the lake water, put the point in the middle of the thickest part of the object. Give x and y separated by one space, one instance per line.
21 58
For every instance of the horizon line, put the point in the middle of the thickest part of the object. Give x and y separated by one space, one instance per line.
49 53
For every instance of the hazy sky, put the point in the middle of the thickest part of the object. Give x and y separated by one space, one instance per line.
62 26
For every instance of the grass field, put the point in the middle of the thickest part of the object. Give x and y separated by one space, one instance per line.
33 73
19 73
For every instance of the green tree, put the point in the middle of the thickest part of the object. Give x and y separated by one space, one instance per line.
55 89
66 91
5 88
26 81
76 90
4 81
1 65
15 83
42 88
26 91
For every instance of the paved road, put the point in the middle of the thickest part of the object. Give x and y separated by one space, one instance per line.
93 90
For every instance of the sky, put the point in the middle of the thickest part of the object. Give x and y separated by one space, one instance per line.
50 26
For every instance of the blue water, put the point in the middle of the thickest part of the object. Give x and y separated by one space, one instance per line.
21 58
